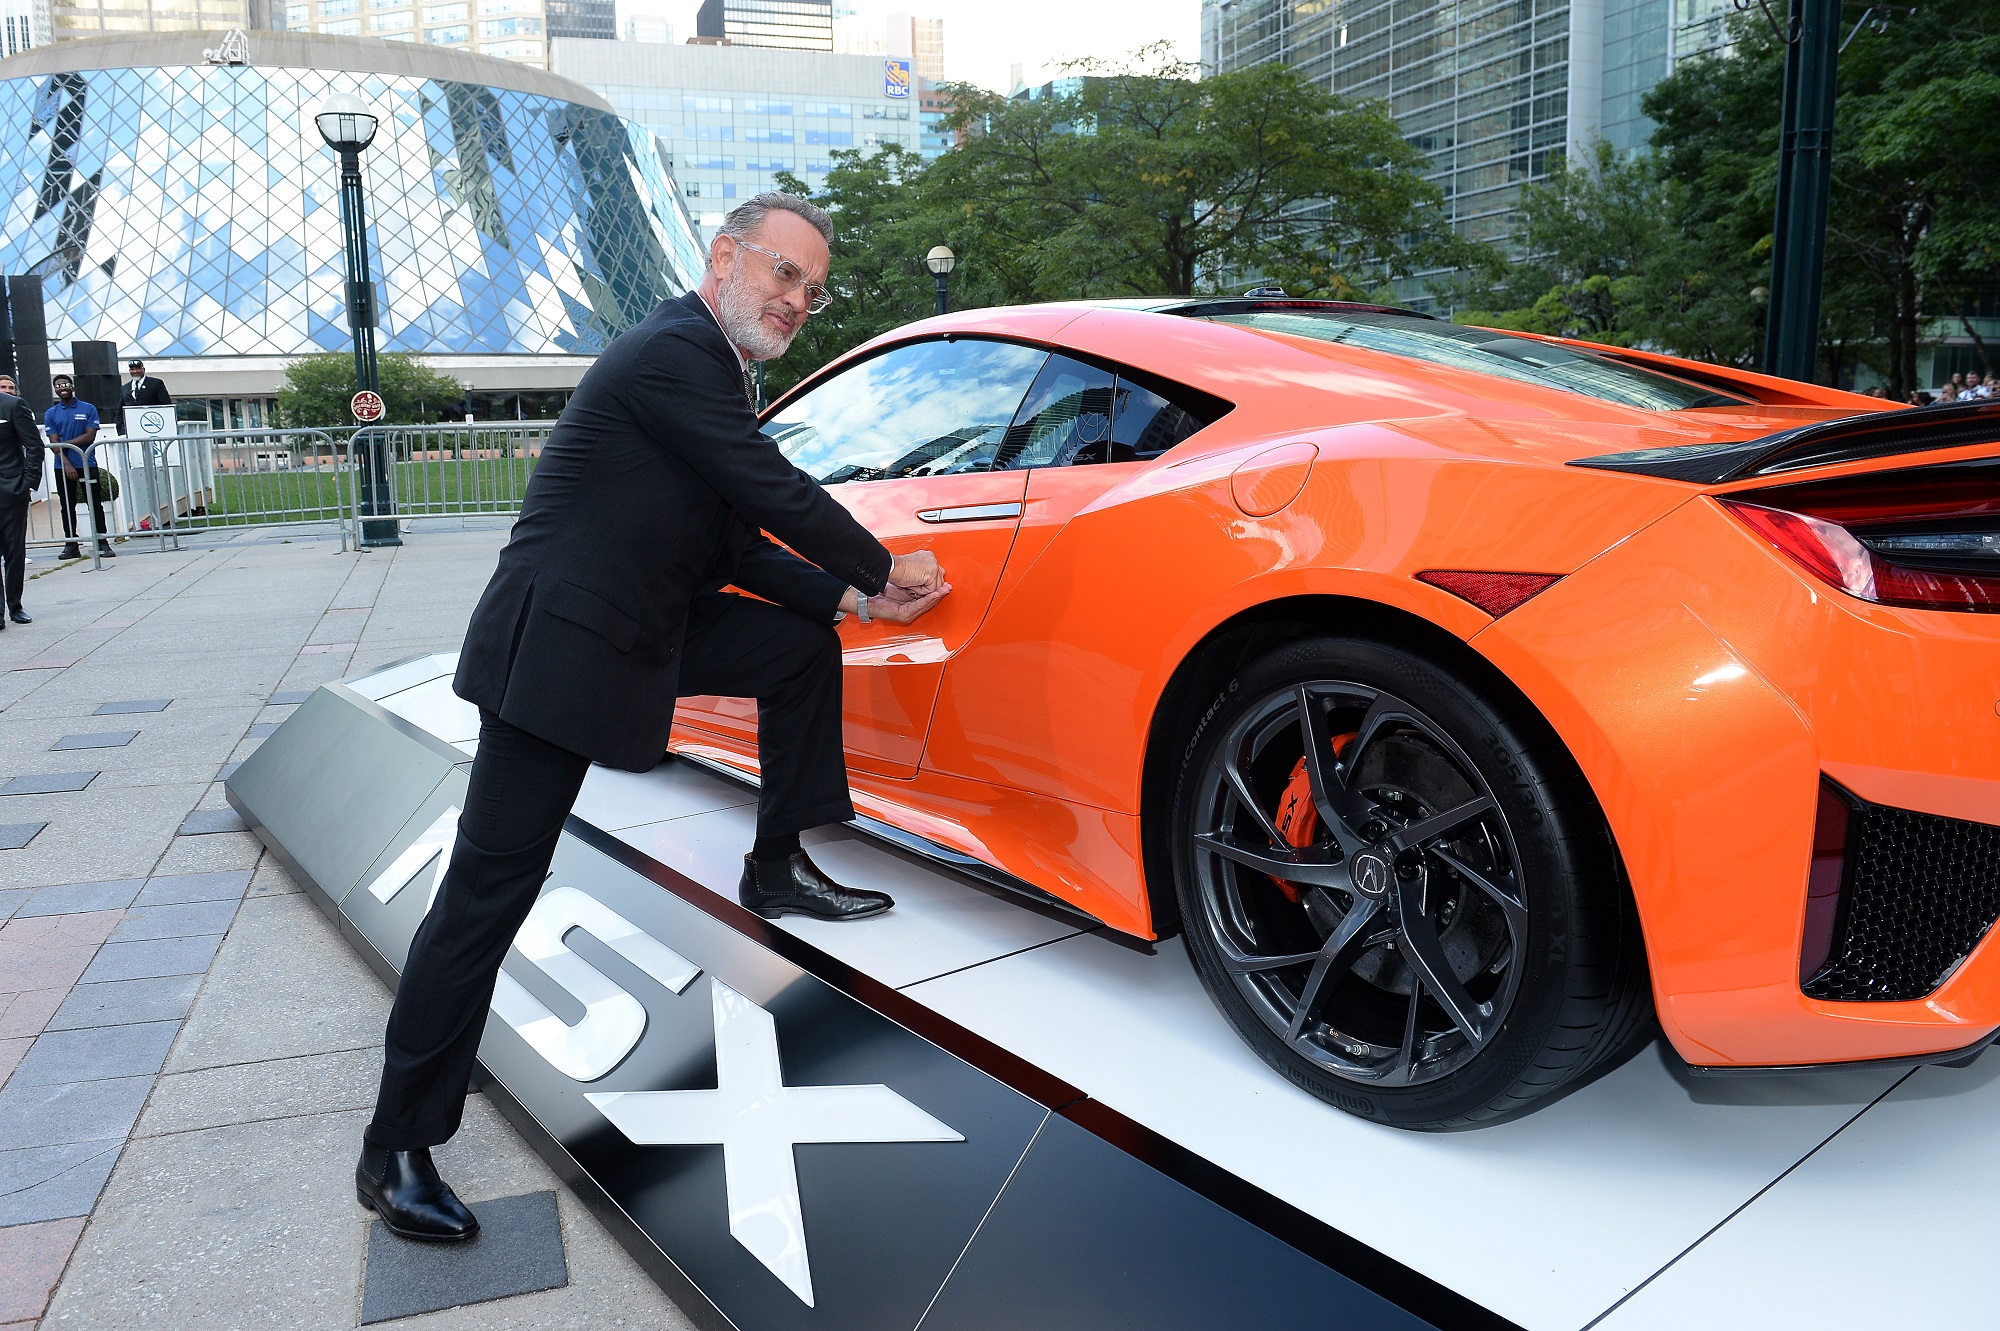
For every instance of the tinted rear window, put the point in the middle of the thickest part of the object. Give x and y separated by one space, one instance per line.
1481 351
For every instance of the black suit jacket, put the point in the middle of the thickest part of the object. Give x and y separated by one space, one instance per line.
654 487
149 393
20 451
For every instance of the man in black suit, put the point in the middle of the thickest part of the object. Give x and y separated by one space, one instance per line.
651 495
20 473
141 391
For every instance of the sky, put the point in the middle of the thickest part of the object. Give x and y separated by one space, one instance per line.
983 39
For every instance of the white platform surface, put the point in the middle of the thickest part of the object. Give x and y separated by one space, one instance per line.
1689 1191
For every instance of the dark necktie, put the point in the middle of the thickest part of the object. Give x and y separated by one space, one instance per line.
749 388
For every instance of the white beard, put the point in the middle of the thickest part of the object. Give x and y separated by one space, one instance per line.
742 316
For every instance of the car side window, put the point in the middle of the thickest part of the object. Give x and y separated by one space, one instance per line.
1065 420
1146 424
926 409
1079 413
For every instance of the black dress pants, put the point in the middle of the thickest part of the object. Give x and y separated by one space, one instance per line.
520 791
70 492
14 549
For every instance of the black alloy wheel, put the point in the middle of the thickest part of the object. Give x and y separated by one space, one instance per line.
1396 885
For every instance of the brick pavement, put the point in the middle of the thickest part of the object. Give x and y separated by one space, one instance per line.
187 1047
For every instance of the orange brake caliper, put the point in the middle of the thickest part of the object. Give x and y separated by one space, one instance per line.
1298 820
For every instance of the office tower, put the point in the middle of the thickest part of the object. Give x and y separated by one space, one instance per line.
793 25
95 18
647 28
1493 91
23 24
733 117
927 48
594 19
510 29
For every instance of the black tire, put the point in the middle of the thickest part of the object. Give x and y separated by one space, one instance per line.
1456 942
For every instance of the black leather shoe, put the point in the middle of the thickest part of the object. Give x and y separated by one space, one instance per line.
403 1188
104 548
801 889
70 551
20 616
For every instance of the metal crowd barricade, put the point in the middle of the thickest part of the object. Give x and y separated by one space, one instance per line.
219 480
460 470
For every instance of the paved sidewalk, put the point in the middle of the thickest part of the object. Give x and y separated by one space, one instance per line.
187 1046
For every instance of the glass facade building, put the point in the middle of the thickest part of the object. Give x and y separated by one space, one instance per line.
189 210
592 19
1493 91
793 25
732 117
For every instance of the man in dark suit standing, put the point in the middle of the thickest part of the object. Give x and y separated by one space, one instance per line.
652 495
141 391
20 473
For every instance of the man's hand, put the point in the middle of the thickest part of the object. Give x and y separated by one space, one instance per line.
916 572
896 605
899 606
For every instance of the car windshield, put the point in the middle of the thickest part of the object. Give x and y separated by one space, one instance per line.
1482 351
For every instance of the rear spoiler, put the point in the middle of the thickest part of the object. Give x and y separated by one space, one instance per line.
1853 439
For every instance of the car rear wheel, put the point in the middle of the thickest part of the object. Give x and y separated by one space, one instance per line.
1396 885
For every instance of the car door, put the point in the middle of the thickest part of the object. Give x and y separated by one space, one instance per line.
908 440
1082 429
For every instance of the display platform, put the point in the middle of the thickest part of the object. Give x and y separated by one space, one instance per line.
975 1113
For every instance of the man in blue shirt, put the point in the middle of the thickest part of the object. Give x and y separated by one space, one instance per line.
72 426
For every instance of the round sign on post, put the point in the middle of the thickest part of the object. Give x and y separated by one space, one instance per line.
366 406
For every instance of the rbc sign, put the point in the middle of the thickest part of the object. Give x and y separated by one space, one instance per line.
895 78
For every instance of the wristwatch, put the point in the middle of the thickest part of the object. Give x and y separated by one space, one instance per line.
861 606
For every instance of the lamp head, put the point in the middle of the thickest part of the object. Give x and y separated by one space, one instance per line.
940 260
346 123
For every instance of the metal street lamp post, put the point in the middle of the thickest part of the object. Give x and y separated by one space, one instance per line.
1805 172
941 261
348 127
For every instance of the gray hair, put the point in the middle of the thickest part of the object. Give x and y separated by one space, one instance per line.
747 219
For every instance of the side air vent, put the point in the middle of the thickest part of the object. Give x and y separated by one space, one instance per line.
1919 893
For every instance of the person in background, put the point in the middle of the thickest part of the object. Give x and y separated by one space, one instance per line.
1977 387
72 425
20 473
140 391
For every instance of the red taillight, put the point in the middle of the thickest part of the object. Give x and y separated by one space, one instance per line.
1823 882
1495 593
1927 538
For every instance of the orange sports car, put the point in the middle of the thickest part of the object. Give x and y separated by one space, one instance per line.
1464 698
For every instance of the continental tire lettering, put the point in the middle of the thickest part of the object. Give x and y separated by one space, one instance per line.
613 1020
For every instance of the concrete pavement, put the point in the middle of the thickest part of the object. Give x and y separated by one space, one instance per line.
187 1047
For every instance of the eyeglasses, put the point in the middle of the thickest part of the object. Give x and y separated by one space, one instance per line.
791 277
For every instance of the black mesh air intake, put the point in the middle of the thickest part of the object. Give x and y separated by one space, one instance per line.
1920 892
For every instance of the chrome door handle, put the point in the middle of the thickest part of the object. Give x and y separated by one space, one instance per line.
970 513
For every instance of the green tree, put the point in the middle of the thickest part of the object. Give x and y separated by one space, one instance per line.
1605 260
318 388
1142 180
876 276
1911 234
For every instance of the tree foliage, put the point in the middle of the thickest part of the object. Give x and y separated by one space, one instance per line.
1130 180
1142 180
1683 235
882 229
319 387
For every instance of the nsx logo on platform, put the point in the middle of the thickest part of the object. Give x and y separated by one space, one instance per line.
757 1120
751 1114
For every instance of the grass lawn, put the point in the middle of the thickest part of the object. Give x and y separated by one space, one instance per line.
483 485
